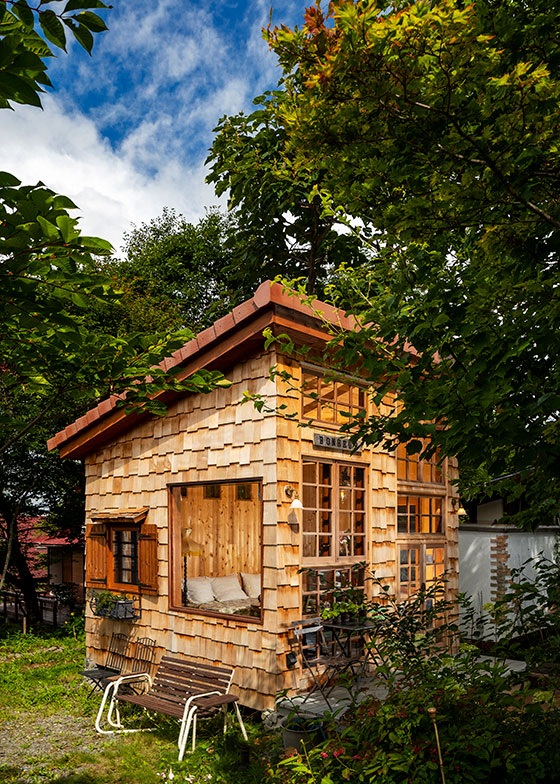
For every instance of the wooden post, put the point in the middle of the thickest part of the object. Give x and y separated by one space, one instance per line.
432 714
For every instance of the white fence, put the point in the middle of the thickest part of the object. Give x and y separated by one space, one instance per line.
487 553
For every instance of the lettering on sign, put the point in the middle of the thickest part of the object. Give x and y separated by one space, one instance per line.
333 442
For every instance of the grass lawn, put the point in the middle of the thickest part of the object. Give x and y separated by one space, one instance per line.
47 727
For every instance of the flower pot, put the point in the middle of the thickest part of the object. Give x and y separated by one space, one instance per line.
123 610
112 607
298 731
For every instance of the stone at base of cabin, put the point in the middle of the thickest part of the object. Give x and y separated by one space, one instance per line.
270 719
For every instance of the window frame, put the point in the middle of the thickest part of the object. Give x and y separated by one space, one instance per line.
422 467
333 404
335 560
324 594
174 593
402 492
422 546
113 583
100 562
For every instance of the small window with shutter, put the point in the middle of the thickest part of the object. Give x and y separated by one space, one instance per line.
121 552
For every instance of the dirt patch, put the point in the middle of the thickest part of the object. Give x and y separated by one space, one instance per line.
28 738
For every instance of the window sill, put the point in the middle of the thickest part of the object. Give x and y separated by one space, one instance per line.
432 488
194 611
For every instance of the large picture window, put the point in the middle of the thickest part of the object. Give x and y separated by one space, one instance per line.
330 401
216 547
334 511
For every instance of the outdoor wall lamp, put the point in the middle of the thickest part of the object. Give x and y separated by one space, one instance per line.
292 495
457 507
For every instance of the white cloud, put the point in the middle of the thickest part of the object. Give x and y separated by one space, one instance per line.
127 130
67 153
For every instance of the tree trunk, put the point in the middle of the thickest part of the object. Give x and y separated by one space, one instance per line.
26 583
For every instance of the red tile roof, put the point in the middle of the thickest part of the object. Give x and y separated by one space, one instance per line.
74 440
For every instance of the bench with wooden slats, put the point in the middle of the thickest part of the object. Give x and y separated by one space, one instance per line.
182 689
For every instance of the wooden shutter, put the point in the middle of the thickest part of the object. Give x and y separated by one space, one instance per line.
96 556
148 558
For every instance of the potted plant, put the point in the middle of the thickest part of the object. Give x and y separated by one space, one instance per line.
329 613
299 729
351 603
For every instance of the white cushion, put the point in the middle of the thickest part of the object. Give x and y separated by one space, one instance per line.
251 584
199 590
228 588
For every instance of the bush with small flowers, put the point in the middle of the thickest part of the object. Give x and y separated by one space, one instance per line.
491 728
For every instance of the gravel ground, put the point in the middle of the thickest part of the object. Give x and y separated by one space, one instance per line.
30 738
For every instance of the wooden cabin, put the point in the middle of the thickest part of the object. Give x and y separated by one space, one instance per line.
191 513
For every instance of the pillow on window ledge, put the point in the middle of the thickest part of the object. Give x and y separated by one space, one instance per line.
228 588
199 590
251 584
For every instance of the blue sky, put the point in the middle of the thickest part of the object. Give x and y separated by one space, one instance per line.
126 131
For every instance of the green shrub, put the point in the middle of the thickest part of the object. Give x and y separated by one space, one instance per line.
527 619
484 740
491 729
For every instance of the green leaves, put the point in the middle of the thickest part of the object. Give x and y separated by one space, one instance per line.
81 34
52 28
93 22
76 5
22 49
53 352
24 12
7 179
280 230
433 128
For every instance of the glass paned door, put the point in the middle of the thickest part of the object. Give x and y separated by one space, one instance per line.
334 511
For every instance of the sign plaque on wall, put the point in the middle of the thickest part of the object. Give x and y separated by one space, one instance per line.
341 443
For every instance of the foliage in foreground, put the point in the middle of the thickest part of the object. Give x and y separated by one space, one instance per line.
492 727
55 362
491 724
484 739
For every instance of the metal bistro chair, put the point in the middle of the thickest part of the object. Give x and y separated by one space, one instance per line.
318 657
142 653
114 663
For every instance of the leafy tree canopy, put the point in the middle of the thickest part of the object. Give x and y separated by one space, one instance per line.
55 360
182 269
278 228
436 124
